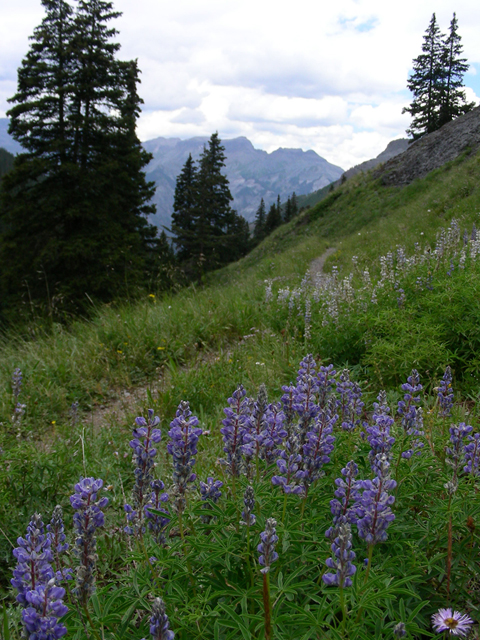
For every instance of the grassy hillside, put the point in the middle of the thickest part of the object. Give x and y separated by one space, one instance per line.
199 344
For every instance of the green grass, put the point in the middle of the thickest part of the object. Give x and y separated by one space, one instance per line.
200 343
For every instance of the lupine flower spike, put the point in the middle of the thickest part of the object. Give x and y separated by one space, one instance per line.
159 623
341 560
454 622
184 433
247 514
145 436
399 630
266 548
445 394
87 519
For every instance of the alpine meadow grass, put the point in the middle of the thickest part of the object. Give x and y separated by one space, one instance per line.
304 457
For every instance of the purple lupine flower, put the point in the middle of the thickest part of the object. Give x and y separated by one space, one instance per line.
412 418
210 491
304 394
17 379
342 558
455 452
273 432
378 434
326 380
288 400
289 464
249 501
373 507
319 444
34 558
350 404
472 455
346 495
156 522
445 394
44 607
87 519
456 623
145 436
184 433
57 536
266 548
236 431
399 630
159 623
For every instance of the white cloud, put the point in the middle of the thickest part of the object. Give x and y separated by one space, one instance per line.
324 76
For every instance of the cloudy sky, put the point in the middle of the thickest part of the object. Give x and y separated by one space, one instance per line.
329 76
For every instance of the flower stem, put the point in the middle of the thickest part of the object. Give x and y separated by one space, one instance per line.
267 606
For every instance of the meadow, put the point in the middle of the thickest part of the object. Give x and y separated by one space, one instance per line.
307 389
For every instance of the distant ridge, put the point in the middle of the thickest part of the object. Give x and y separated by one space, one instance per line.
253 174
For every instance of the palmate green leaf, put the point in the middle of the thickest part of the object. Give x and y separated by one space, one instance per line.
234 621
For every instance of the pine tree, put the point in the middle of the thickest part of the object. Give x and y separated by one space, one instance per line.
80 180
214 214
453 101
274 219
260 219
426 83
288 210
294 204
185 205
436 81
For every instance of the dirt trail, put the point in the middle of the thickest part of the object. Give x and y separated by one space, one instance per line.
126 402
316 266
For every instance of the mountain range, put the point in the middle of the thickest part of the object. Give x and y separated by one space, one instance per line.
252 173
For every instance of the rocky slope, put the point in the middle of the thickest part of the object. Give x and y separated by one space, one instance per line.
433 150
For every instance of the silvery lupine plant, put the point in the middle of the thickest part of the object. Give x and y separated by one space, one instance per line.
184 433
258 416
347 494
237 432
145 435
248 517
289 464
378 433
210 492
373 506
304 395
342 558
412 419
456 451
445 394
472 455
266 548
19 408
57 536
319 444
159 623
36 583
156 522
326 381
350 404
88 517
273 432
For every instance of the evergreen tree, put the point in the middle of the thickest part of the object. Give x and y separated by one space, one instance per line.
288 210
80 180
260 219
426 83
274 219
214 214
6 161
294 204
436 81
185 205
453 98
